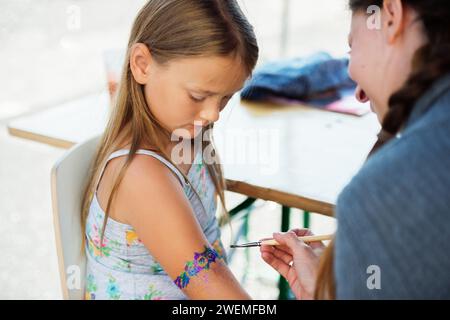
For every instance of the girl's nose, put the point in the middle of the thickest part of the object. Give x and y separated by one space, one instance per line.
361 95
210 114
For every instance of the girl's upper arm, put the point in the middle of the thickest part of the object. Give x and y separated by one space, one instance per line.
166 224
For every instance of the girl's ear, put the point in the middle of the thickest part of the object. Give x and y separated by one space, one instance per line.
140 62
394 19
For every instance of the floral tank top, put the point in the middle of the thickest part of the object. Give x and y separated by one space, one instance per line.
122 267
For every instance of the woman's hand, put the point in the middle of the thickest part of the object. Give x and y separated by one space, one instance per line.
295 260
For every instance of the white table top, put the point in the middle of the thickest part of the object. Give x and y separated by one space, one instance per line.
309 152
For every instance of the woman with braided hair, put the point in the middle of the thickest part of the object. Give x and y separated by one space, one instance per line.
393 235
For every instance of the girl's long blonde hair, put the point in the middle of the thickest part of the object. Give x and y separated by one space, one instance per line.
171 29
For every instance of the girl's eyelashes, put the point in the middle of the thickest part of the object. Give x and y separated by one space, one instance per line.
197 99
200 99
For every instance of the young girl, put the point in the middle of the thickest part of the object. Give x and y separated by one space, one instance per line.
150 225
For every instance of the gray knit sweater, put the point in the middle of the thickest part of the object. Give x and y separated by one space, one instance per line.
393 238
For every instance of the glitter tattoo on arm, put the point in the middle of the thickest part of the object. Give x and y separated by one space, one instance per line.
202 261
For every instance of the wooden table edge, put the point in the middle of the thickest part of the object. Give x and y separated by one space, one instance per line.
283 198
40 138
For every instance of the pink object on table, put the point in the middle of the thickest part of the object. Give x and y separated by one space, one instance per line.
349 105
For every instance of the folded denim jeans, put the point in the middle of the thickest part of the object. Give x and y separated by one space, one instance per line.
317 80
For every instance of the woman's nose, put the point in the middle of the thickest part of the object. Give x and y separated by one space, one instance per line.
361 95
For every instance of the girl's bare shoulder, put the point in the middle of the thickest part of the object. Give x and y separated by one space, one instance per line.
145 180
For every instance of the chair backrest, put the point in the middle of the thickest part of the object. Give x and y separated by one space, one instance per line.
68 180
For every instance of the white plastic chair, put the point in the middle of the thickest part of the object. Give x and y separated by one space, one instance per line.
68 180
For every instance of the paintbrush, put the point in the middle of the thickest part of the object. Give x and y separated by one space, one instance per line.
273 242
